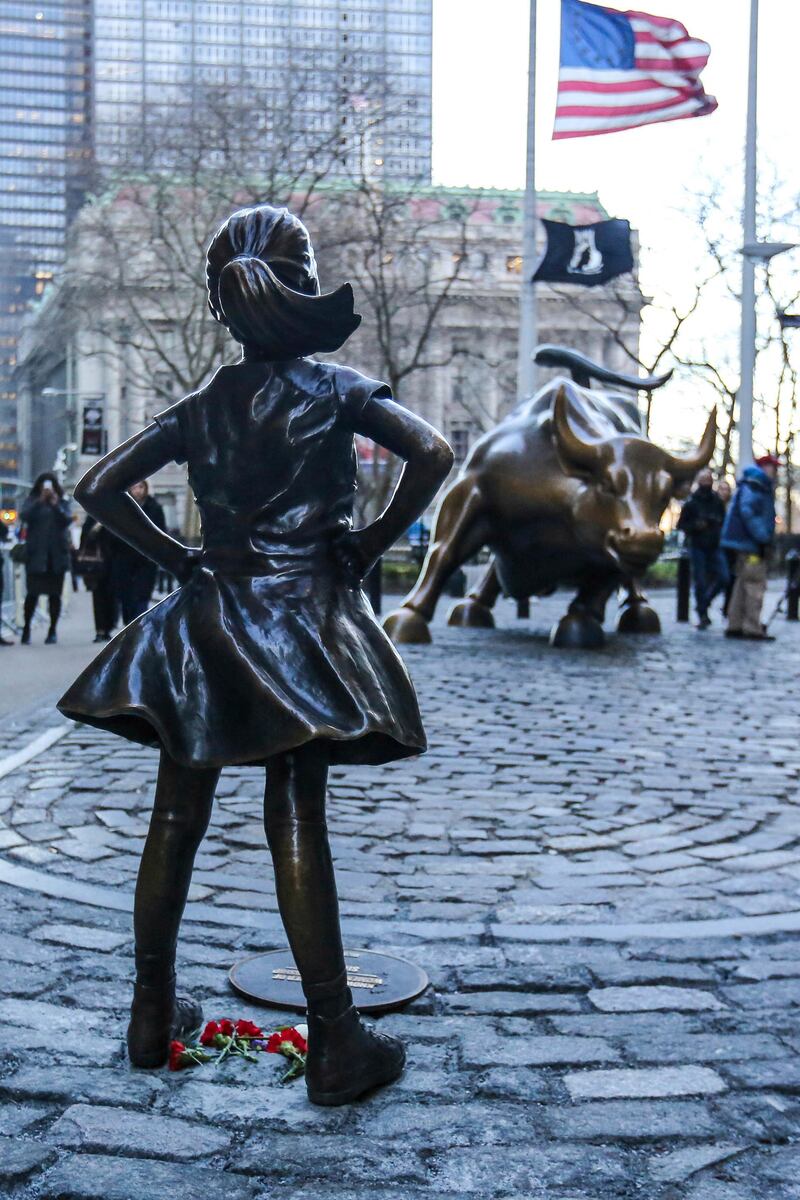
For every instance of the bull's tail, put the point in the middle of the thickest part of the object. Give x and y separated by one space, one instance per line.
583 370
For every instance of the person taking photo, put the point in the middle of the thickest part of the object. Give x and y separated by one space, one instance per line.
46 517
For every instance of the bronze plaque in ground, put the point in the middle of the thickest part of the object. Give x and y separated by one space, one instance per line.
379 982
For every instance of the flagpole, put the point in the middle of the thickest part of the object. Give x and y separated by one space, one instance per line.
748 328
526 368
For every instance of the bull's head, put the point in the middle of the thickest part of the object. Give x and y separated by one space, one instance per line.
630 482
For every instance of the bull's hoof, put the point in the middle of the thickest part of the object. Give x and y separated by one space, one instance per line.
471 614
638 618
405 626
577 631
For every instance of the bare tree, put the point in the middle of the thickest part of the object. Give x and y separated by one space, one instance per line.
133 290
417 257
134 286
135 271
698 335
619 317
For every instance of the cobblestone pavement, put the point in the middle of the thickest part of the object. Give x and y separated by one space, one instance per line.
598 864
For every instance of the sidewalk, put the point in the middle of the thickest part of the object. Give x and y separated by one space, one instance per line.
31 674
597 870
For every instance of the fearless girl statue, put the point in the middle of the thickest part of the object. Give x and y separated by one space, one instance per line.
268 653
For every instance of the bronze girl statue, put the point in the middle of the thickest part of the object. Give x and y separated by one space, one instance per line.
268 653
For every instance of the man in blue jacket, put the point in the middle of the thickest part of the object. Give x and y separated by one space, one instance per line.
749 529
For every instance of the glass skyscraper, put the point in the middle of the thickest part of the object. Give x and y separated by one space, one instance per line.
44 149
330 60
81 79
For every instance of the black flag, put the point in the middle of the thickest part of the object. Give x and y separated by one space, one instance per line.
585 254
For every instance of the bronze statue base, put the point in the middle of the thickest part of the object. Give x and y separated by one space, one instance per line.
404 625
577 631
379 982
470 614
638 618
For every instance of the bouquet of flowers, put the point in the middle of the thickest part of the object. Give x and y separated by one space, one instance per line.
242 1039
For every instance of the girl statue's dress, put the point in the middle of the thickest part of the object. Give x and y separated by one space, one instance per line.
271 643
268 653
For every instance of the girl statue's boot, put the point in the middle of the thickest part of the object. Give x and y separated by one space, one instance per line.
345 1058
157 1017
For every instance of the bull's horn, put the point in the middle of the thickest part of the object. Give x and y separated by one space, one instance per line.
683 467
588 456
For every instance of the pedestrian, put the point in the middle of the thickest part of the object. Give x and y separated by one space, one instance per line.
3 538
133 576
268 653
46 517
94 559
725 491
701 522
749 530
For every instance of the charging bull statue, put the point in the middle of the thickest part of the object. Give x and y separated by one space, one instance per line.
567 491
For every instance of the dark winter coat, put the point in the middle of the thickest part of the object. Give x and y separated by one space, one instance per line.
46 540
701 519
119 551
750 521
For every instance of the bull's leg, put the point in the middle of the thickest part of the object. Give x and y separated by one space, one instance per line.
459 531
636 615
475 610
581 628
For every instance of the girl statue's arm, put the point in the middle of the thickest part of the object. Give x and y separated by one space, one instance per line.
427 461
103 492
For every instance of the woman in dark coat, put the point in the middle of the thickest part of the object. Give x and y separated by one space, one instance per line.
94 555
46 517
268 653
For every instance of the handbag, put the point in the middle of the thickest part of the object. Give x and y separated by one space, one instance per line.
19 553
90 564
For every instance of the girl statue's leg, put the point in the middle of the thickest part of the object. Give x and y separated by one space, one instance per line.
181 812
345 1059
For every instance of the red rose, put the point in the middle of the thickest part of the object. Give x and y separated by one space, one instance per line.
176 1052
285 1041
209 1033
215 1029
247 1029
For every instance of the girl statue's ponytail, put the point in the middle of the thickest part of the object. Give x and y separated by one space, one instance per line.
263 285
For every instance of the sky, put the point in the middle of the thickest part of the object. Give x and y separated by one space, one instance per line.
479 119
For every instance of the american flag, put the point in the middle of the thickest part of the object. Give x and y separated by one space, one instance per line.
623 69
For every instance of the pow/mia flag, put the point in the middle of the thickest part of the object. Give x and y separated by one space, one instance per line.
586 254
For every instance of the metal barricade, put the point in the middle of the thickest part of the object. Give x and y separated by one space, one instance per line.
8 608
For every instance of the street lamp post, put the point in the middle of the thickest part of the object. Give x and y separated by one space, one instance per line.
747 348
752 252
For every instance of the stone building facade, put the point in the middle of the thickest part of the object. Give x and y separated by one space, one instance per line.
471 348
